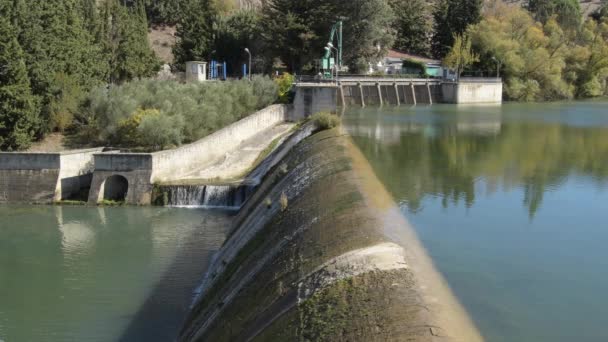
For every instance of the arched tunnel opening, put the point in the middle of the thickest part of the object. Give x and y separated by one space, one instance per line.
115 188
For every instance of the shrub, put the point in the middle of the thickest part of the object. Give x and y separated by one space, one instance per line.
265 90
325 120
117 111
416 67
159 131
66 96
126 132
285 83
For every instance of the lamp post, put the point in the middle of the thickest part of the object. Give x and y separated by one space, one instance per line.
498 63
249 67
328 50
331 46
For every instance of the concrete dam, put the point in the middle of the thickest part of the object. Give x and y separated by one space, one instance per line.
320 252
318 249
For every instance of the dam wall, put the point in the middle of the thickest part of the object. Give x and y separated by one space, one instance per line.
45 177
132 175
171 164
314 98
321 252
368 91
122 176
473 91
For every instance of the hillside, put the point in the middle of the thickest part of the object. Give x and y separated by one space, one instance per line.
162 37
588 6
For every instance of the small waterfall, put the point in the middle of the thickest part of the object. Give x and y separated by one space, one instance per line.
230 197
207 196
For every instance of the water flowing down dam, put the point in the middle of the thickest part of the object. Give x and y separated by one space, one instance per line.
207 196
321 252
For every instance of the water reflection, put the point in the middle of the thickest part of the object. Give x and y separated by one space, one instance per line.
101 274
510 203
458 156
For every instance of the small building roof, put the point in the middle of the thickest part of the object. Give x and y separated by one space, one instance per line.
396 54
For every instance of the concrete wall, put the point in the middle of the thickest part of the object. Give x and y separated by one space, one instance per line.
136 168
142 170
75 172
472 92
172 164
391 94
138 181
44 177
312 98
342 243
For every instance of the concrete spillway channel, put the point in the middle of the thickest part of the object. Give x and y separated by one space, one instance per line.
320 252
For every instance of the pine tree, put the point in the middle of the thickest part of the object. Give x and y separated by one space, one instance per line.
298 31
18 107
122 33
195 32
135 57
568 12
367 31
57 46
452 17
413 22
290 31
234 33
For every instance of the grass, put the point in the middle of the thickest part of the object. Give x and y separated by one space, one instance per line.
325 120
70 202
111 203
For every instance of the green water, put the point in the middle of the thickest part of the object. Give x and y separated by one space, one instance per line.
512 204
101 274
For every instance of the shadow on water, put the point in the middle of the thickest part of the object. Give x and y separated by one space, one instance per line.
162 313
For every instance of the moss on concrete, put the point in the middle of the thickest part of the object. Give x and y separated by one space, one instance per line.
273 289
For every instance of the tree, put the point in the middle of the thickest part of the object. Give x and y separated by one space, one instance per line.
601 13
291 31
195 32
461 54
567 12
532 55
18 107
413 22
56 41
298 31
452 17
123 35
367 31
587 62
236 32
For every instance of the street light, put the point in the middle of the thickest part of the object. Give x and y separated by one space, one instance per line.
498 63
331 46
249 53
328 50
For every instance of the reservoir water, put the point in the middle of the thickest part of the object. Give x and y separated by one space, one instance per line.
511 203
70 273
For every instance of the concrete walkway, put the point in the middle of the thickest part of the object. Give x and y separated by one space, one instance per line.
235 164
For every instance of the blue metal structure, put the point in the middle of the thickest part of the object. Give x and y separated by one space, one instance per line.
218 71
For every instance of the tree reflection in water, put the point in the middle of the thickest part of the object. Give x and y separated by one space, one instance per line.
457 157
